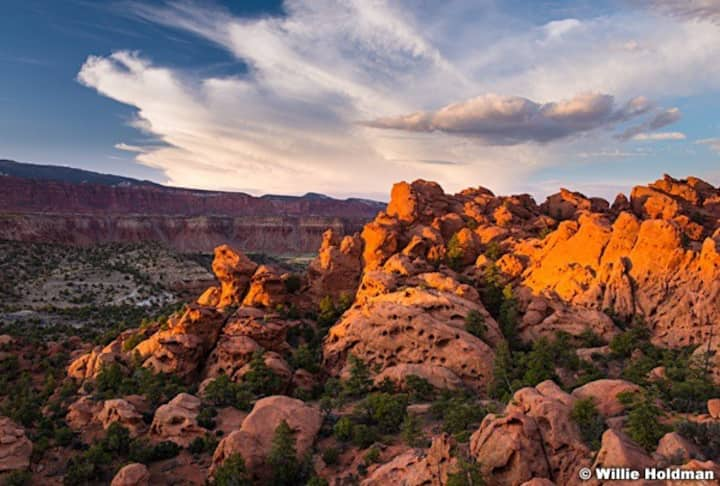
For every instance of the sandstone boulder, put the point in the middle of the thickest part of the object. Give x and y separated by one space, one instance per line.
254 439
534 438
134 474
176 421
123 412
713 407
82 413
15 447
416 467
675 447
414 326
604 393
438 376
617 450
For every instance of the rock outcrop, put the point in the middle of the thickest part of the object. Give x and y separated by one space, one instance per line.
415 466
604 394
134 474
533 438
254 439
123 412
15 447
176 421
183 346
337 268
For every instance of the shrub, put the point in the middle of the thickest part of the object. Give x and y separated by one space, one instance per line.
455 253
18 478
317 481
261 380
539 363
623 344
419 389
411 431
643 424
590 422
468 474
508 315
222 392
475 324
343 429
232 472
200 445
372 456
283 457
359 382
165 450
363 435
293 283
492 295
705 435
385 410
130 343
117 439
206 417
330 456
458 413
306 358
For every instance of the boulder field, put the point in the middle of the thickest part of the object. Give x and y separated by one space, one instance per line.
520 341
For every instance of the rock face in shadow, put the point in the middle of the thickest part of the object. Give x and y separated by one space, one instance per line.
254 439
533 437
53 211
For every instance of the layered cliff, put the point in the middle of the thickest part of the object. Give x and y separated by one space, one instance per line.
43 210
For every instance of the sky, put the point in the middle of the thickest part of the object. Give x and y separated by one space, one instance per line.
346 97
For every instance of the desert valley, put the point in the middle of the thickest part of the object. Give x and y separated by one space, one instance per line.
455 339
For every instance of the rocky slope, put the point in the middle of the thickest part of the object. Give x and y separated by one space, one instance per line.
458 339
93 208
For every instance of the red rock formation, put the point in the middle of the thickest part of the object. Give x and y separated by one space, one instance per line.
534 437
134 474
604 394
254 439
176 421
336 270
123 412
15 448
182 348
429 467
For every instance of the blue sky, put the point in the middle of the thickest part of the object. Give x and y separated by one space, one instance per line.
346 97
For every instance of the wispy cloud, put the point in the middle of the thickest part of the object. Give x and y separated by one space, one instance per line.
660 120
130 148
689 9
511 120
659 136
712 143
290 123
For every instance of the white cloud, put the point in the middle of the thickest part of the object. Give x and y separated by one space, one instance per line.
713 143
129 148
660 120
510 120
291 123
659 136
689 9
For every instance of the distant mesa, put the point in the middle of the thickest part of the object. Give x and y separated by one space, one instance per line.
51 204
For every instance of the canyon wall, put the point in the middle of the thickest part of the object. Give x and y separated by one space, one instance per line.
187 220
